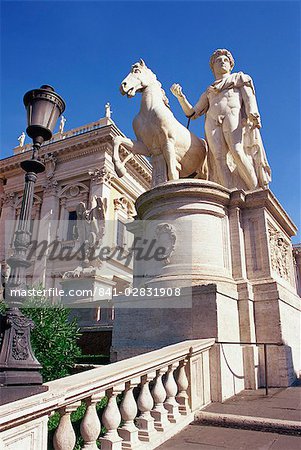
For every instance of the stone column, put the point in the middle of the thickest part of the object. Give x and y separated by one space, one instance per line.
48 220
7 214
47 231
100 183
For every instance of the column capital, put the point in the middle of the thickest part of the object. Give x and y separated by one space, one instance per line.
9 199
50 160
100 176
50 187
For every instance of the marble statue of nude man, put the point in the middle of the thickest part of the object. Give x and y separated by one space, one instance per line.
237 156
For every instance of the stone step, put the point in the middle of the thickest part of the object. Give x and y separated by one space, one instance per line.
248 422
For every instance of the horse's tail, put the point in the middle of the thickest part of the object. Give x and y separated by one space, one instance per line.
203 171
119 168
118 165
205 166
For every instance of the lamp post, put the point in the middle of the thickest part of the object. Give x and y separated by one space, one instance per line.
19 369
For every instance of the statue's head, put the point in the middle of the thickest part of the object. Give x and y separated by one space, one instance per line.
139 78
221 59
80 210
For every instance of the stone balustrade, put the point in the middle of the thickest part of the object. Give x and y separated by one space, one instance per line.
67 134
149 398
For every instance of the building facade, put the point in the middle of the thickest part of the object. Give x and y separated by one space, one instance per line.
78 168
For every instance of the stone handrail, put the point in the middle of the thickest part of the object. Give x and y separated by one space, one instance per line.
172 382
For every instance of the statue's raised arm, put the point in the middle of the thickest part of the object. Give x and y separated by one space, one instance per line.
237 157
192 112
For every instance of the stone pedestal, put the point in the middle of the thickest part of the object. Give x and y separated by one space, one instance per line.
230 254
86 294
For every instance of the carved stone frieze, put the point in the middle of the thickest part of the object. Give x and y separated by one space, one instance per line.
280 254
100 176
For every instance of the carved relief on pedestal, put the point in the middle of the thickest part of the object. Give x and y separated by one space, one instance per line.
297 255
166 238
280 254
297 266
100 176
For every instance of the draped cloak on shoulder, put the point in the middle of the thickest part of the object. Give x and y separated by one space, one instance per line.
252 142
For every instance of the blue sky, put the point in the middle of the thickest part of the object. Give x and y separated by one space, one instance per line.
84 50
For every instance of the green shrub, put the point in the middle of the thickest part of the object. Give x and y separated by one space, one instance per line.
54 337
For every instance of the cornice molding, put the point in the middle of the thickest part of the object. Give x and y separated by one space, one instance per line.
75 147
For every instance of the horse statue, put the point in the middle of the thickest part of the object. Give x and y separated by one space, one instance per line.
175 151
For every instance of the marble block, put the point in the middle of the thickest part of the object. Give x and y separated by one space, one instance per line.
231 255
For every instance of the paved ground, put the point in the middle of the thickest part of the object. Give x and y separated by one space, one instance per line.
282 404
200 437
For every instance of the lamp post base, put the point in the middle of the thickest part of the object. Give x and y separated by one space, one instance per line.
18 364
19 369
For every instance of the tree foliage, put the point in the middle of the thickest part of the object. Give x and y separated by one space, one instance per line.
54 337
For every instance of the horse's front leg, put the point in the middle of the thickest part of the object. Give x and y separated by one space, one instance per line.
135 147
169 154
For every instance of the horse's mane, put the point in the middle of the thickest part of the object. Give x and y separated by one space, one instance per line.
164 97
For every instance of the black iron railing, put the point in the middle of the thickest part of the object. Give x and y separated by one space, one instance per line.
265 344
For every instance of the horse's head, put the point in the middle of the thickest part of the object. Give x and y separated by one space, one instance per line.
139 78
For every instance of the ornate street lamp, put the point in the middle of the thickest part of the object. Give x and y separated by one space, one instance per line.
19 369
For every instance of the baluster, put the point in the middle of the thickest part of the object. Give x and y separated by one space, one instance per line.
128 410
145 421
159 413
171 390
111 419
182 382
64 437
90 425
